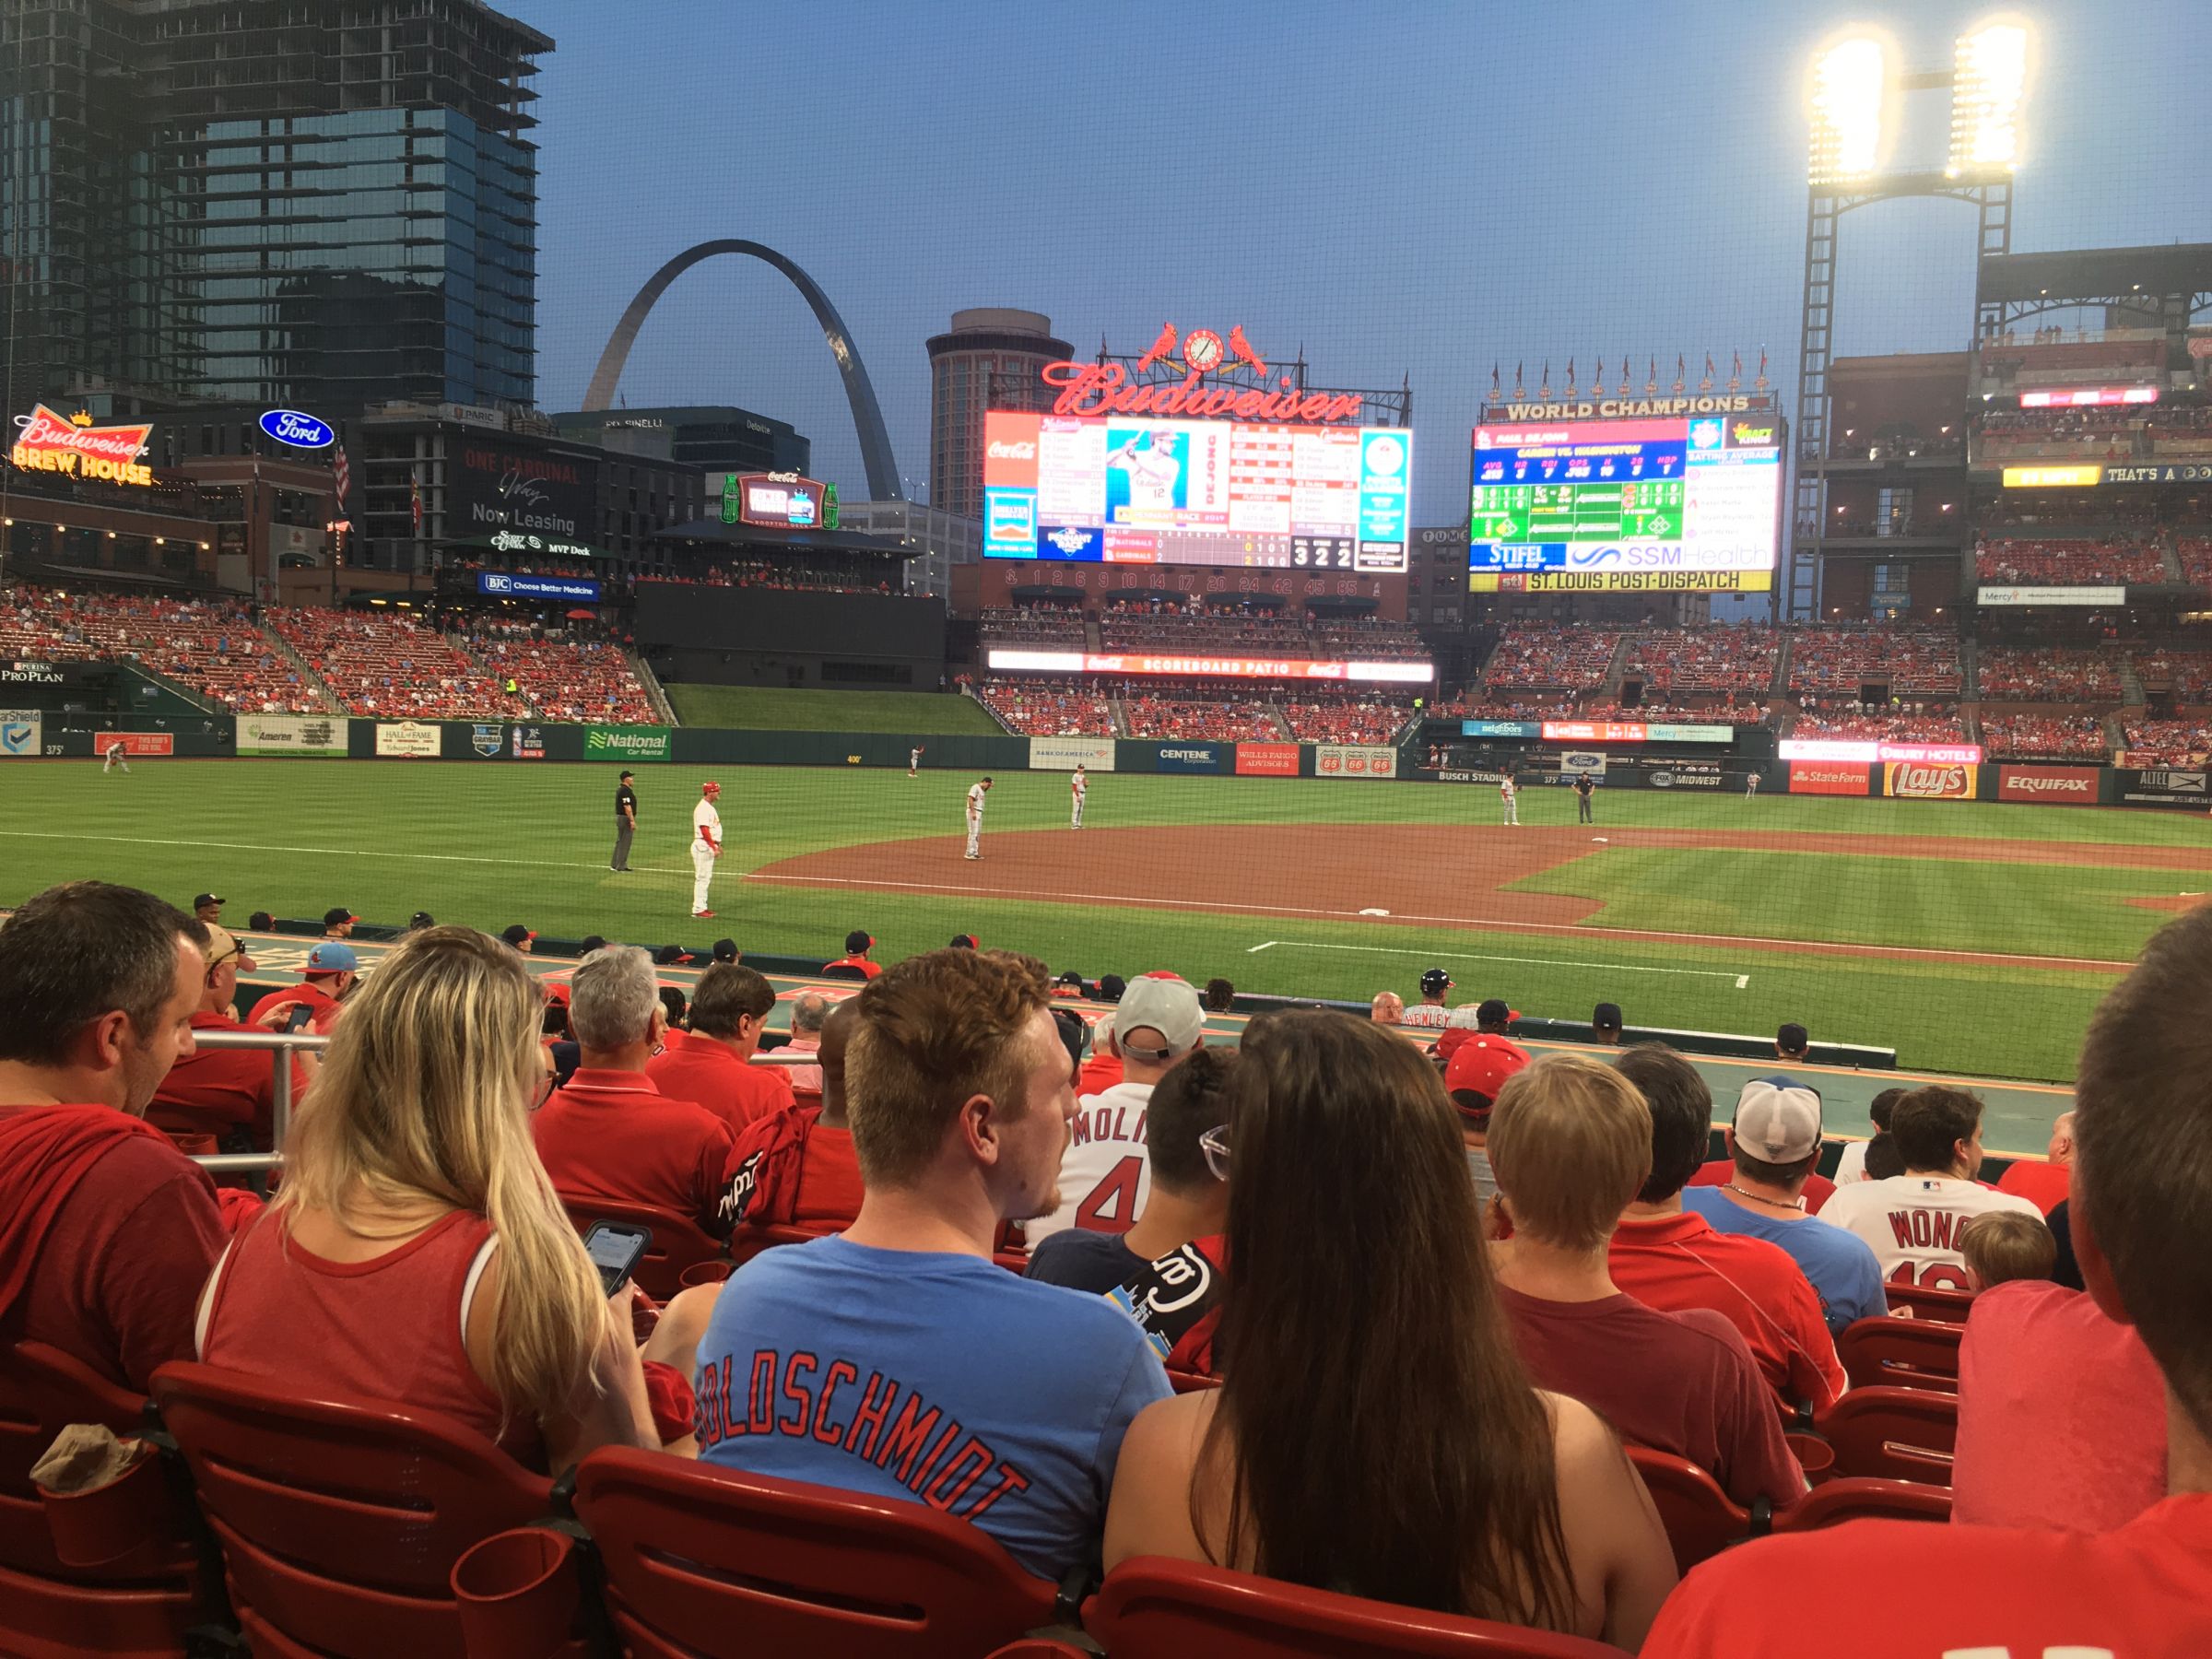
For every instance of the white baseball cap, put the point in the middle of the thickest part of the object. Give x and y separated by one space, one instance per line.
1169 1006
1778 1120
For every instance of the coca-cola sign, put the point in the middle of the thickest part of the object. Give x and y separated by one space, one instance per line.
1925 781
2065 785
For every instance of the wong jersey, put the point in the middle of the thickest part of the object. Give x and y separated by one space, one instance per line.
1913 1222
706 825
1104 1174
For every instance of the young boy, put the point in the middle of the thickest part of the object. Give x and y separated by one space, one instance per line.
2005 1245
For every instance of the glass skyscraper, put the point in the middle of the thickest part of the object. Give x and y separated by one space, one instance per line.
269 200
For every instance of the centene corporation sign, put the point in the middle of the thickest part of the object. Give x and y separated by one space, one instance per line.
46 442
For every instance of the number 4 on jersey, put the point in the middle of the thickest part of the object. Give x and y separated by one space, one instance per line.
1111 1207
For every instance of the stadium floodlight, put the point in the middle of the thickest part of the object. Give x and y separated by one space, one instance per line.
1850 86
1989 83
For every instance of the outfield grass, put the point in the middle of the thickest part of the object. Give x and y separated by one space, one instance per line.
495 843
779 709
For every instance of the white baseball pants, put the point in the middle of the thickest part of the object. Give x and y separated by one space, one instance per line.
702 875
975 838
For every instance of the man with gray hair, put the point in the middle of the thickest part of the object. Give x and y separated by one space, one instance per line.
608 1132
807 1015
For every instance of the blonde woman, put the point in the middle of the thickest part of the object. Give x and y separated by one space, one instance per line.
416 1250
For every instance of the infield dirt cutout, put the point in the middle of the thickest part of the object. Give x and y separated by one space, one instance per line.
1424 875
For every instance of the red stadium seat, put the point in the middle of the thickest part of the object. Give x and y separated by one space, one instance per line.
141 1602
1932 1302
340 1520
1856 1499
1893 1433
748 1241
703 1560
1700 1519
677 1242
1880 1351
1151 1607
1191 1381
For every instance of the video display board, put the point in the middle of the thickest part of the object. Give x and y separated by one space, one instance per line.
1677 504
1124 490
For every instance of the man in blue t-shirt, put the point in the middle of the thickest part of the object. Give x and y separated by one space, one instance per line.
1774 1143
898 1358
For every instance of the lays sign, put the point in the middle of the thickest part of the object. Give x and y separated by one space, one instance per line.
46 442
1921 780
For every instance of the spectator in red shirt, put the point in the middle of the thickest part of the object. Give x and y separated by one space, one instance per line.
416 1250
730 1006
228 1093
105 1229
608 1132
858 943
2043 1184
2142 1231
797 1167
333 972
1670 1258
1570 1144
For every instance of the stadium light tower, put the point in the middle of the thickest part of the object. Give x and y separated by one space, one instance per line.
1849 95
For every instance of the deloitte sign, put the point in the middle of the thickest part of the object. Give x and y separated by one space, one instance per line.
625 742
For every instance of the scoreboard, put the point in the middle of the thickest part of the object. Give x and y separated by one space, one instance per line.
1679 505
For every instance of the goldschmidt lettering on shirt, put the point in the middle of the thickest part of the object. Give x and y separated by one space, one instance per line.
795 1395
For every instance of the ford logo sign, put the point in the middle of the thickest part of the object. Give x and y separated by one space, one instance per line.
301 432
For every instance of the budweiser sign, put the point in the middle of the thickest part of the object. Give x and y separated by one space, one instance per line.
2065 785
1108 389
46 442
1921 780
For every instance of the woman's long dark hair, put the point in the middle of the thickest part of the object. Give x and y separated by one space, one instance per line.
1379 1433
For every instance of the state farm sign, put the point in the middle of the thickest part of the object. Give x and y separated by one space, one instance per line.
1919 780
2065 785
1828 778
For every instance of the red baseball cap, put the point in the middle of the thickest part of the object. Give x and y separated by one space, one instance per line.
1481 1065
710 789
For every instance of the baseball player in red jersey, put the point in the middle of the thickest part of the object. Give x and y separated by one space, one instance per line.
1078 787
706 845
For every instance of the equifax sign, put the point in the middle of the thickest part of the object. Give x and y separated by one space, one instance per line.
46 442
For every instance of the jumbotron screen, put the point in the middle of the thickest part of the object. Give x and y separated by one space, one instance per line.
1122 489
1674 505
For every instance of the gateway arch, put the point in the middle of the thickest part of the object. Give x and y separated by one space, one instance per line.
867 417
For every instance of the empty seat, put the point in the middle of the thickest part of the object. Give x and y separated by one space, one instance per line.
703 1560
1151 1607
1880 1351
1893 1433
1945 1307
1832 1502
1700 1519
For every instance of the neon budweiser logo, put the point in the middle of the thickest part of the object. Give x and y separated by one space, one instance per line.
1106 388
46 442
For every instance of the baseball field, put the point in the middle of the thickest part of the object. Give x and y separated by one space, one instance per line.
1972 938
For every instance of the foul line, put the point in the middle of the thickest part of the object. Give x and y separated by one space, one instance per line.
1461 956
148 840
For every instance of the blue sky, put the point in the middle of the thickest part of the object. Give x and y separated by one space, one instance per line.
1403 189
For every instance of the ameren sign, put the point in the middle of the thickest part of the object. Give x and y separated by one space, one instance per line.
46 442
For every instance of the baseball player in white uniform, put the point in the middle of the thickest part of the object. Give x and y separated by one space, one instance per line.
113 757
1509 795
913 760
706 845
976 792
1078 787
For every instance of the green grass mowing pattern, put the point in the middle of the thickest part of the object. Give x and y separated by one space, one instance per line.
494 843
778 709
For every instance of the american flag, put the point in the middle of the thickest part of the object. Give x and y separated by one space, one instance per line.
341 475
414 502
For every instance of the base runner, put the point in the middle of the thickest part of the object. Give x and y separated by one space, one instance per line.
976 792
1509 796
1078 788
706 845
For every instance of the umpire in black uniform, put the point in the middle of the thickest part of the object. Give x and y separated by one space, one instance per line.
625 821
1583 788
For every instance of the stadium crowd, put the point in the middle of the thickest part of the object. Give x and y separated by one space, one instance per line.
2068 563
210 646
1032 708
2047 674
1192 1357
389 664
2044 737
1923 661
1730 659
2168 742
1870 723
1531 654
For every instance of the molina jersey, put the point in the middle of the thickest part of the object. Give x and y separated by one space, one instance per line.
1104 1175
1913 1222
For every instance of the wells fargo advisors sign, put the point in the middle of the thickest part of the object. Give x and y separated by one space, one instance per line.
74 447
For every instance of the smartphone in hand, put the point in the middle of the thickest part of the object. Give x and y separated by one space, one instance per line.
300 1015
616 1249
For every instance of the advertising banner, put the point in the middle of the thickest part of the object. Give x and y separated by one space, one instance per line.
1918 780
1827 778
1355 760
1841 748
1457 775
1631 731
529 743
488 739
1584 760
1686 774
626 743
2161 472
1192 757
1267 759
2059 786
498 486
22 734
2164 786
291 735
1500 728
1064 753
2052 596
1003 660
502 585
137 742
407 740
1620 581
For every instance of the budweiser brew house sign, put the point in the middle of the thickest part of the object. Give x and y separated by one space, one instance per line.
1109 389
74 447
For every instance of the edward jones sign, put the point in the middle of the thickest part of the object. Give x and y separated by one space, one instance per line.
2048 786
1927 781
1828 778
